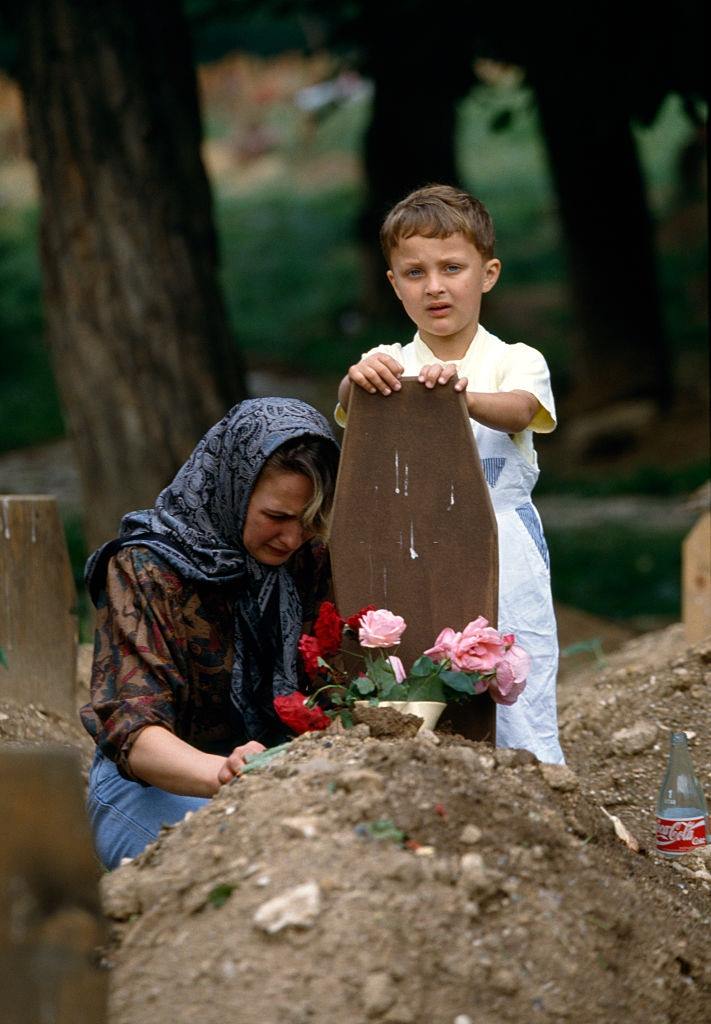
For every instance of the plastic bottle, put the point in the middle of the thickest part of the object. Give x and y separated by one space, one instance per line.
682 816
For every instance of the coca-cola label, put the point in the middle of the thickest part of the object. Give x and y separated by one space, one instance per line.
679 835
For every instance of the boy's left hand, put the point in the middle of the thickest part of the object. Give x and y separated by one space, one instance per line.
435 373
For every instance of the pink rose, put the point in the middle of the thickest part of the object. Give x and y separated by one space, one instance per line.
380 628
510 679
479 649
443 645
398 668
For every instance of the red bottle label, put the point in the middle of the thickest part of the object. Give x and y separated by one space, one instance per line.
679 835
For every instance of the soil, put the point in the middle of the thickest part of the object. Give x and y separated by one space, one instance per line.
429 880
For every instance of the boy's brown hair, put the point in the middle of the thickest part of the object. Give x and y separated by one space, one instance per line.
438 211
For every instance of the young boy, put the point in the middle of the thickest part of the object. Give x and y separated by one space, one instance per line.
439 246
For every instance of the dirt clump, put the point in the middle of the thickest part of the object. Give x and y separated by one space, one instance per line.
386 722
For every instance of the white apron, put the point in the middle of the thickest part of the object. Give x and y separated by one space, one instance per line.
525 602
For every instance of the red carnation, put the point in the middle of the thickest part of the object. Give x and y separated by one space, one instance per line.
293 712
328 628
310 652
354 621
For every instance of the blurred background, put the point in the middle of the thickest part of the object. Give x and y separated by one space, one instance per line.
190 195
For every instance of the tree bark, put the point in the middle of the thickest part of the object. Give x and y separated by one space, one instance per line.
410 140
608 229
135 319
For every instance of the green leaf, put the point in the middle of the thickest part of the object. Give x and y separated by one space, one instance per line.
383 829
381 673
393 691
424 666
3 659
264 757
364 685
430 688
220 895
458 681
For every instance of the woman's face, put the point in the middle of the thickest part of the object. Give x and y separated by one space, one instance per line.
272 529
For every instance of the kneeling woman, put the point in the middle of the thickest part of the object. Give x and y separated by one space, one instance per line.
200 603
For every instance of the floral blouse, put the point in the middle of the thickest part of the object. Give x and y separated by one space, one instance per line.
163 652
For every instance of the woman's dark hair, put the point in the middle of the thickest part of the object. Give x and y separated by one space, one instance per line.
317 459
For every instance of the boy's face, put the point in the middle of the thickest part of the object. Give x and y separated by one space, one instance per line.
440 282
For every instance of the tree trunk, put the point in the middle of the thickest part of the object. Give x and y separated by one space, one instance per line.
410 140
608 229
135 319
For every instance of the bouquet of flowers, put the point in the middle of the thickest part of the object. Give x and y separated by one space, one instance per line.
458 666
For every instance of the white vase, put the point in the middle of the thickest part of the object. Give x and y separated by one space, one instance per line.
428 710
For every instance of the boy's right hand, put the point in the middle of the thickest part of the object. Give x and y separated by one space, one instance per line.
377 372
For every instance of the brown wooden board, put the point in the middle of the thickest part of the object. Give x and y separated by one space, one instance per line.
38 625
414 530
696 580
51 926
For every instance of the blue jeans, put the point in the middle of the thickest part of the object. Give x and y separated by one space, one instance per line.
126 816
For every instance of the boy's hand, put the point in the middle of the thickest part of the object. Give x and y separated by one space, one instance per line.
435 373
378 372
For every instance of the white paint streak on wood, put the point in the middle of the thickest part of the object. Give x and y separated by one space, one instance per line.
413 553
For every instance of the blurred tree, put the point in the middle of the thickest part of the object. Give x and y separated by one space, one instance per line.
594 75
410 140
136 324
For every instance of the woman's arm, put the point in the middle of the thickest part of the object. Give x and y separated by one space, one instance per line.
162 759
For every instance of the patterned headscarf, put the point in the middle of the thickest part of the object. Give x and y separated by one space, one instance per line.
196 526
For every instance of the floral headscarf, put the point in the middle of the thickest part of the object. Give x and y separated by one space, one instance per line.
196 526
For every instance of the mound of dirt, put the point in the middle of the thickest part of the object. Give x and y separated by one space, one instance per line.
429 880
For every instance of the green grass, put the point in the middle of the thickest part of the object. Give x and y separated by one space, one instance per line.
617 572
653 480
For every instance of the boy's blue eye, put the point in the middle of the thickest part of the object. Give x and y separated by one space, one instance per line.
414 272
454 266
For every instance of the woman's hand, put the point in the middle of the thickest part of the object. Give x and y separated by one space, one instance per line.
435 373
233 765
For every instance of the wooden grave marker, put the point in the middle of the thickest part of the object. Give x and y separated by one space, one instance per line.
51 924
696 580
38 626
414 530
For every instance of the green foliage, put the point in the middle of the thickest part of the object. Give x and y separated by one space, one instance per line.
3 659
617 571
219 27
424 666
290 274
427 680
220 895
460 682
29 407
652 480
265 757
382 830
